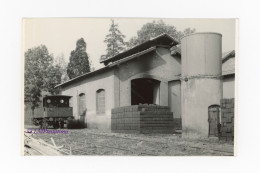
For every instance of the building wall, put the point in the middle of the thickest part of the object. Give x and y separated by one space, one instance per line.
195 104
229 86
175 98
159 65
89 87
175 102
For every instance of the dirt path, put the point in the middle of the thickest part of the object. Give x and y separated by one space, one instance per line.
96 142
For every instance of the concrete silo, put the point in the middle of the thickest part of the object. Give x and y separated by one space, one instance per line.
201 80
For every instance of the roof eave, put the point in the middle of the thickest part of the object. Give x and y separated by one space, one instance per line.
109 66
81 76
132 56
229 55
139 45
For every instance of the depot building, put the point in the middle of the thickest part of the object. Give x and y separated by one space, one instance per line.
187 76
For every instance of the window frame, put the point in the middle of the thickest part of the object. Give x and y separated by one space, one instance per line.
100 101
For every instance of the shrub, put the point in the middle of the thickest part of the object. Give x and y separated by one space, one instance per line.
75 124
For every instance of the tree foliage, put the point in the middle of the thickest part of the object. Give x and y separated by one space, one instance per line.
60 62
188 31
79 61
114 40
40 75
156 28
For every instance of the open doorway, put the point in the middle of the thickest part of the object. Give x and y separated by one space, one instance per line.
145 90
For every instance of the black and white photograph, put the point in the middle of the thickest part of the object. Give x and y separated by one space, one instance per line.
129 86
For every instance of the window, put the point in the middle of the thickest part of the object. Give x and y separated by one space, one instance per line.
100 101
82 104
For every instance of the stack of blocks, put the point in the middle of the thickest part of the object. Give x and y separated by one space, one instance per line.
142 119
227 119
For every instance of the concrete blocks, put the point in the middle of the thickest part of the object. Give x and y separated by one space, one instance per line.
227 119
142 119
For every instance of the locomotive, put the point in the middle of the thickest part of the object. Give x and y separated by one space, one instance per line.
55 112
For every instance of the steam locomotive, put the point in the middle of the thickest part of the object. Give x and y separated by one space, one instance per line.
54 112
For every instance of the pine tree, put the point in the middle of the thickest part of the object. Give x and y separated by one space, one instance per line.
79 61
114 40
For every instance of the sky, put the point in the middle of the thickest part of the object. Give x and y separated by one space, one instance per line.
60 34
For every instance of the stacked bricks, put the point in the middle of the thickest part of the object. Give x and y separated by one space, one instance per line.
142 119
125 119
227 119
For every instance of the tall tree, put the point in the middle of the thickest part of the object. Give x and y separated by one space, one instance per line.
79 61
114 40
62 64
186 31
40 75
153 29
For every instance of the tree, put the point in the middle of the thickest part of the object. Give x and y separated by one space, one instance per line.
40 75
62 64
114 40
53 78
79 61
156 28
186 31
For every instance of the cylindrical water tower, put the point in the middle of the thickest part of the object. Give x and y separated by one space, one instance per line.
201 80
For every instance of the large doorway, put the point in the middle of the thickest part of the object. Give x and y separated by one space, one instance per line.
145 91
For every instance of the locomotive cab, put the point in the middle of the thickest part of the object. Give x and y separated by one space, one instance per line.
56 112
56 101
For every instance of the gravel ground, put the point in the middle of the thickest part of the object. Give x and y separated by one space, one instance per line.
97 142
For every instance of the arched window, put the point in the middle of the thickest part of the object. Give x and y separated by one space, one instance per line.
100 101
82 104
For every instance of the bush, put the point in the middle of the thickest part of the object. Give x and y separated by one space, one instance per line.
75 124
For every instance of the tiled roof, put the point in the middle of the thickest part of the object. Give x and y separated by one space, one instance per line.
163 39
